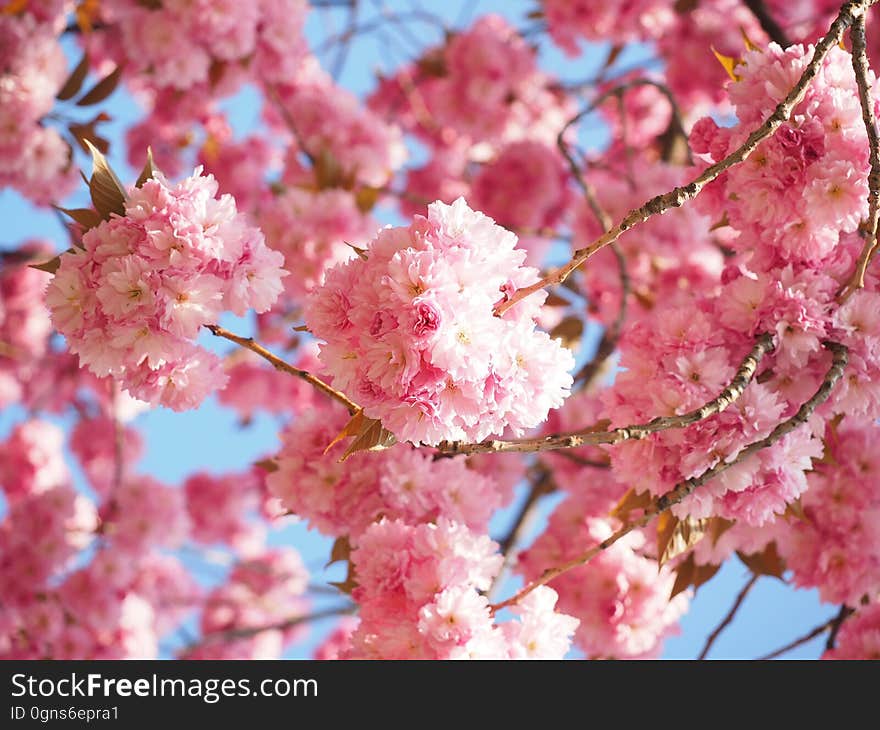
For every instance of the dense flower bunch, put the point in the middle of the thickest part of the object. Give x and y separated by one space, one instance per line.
503 455
569 20
481 89
808 182
663 257
620 599
315 231
344 499
34 159
263 592
132 300
418 590
185 44
408 327
25 326
836 546
331 126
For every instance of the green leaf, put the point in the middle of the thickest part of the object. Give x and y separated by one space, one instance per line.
102 89
108 194
74 82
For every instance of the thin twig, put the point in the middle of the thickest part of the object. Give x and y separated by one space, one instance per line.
818 631
289 122
840 356
866 99
345 46
682 194
542 485
217 637
118 439
592 436
611 335
285 367
844 613
726 621
773 30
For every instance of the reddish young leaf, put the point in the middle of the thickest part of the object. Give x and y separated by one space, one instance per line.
102 89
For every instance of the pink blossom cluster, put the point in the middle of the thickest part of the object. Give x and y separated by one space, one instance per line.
31 460
142 513
836 546
238 165
221 510
410 331
133 299
620 598
40 535
253 386
481 89
677 360
349 143
664 256
25 326
524 188
568 21
859 636
109 609
261 595
398 483
181 44
314 231
419 590
94 442
34 159
688 47
808 182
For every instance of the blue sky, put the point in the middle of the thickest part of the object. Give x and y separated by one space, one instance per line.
211 439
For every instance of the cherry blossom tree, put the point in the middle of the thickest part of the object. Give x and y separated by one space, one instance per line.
462 311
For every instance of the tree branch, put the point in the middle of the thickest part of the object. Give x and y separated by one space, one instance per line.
726 621
818 631
218 637
591 436
682 194
250 344
542 485
840 356
866 99
768 22
611 335
844 613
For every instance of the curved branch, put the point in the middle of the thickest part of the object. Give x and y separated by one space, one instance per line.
250 344
840 357
818 631
773 30
726 621
680 195
592 437
866 99
218 637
